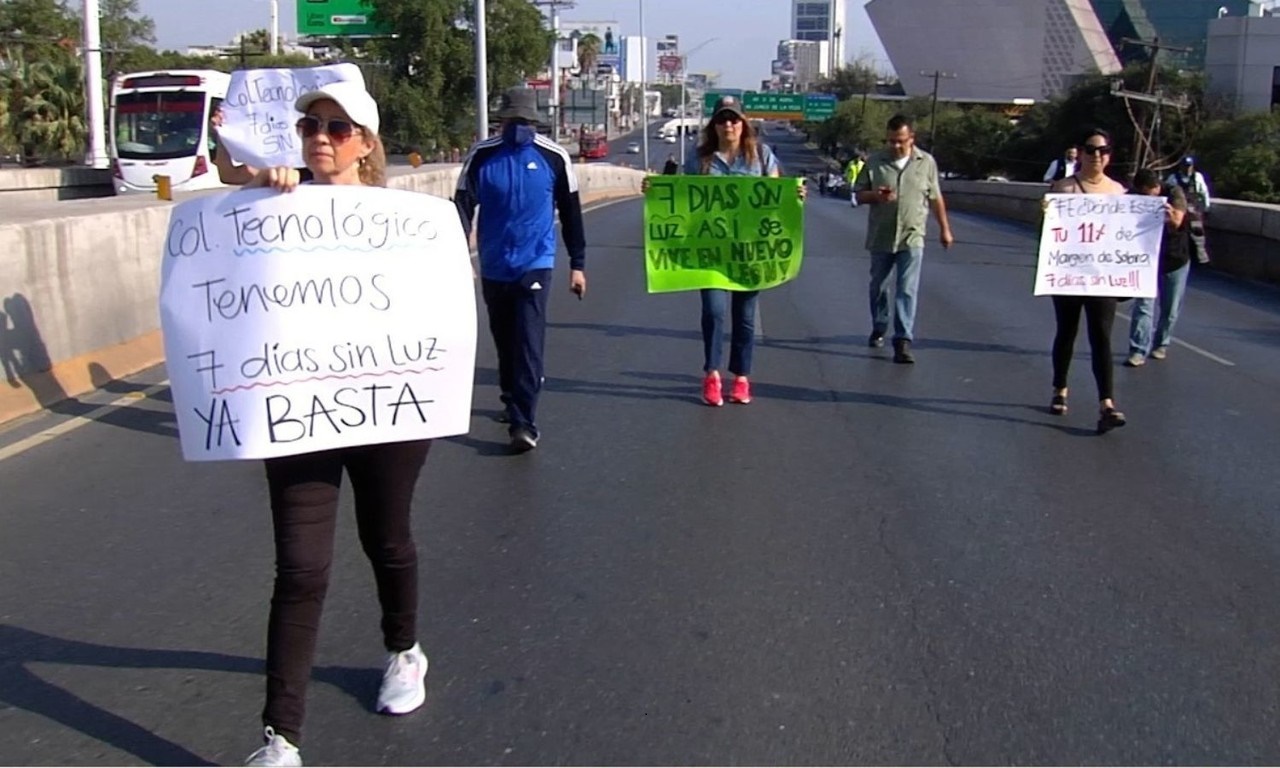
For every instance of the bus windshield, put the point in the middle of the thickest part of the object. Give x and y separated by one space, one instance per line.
160 125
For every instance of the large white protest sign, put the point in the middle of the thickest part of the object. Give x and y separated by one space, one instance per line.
258 118
329 317
1100 245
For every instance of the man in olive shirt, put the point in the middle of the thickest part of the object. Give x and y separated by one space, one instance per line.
900 184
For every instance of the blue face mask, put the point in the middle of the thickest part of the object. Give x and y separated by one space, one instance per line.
519 135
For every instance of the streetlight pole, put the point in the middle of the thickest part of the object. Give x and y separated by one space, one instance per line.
275 27
97 157
482 73
684 98
644 91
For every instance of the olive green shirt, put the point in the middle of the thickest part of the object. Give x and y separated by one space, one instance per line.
897 226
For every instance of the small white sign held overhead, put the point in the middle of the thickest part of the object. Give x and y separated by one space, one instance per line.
258 118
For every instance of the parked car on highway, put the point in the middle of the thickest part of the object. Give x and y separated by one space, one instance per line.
633 148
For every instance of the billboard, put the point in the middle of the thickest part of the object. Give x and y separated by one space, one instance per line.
338 18
668 64
669 45
609 33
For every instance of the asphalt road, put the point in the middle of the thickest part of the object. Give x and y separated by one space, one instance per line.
871 563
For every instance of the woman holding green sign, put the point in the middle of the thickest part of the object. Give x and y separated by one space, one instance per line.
730 147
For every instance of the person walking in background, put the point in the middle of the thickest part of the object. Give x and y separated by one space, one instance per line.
671 167
901 184
1063 167
1196 188
1175 264
340 143
1099 311
519 179
851 172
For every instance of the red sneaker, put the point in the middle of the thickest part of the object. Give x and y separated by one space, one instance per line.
711 390
741 391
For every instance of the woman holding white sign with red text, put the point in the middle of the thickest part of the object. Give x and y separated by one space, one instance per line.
1099 311
339 131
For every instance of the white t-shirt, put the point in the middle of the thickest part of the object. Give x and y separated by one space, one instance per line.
901 162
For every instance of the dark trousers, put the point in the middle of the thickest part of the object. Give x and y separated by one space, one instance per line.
1100 315
304 506
518 322
740 307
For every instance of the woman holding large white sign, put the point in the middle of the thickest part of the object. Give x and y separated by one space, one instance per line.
339 131
1099 311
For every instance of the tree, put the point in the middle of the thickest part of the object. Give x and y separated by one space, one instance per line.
125 34
850 80
38 30
1242 157
45 108
430 64
588 52
971 142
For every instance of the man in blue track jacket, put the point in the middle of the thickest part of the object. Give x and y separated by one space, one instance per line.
519 179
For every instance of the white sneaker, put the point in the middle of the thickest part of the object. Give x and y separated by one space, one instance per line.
278 751
404 686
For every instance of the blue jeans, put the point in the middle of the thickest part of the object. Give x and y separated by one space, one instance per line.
1172 288
742 337
908 263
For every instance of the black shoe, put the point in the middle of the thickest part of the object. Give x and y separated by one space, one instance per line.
902 352
523 439
875 340
1110 419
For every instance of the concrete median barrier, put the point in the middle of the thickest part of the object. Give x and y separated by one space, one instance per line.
79 284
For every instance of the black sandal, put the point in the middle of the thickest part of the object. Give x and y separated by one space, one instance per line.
1058 405
1109 420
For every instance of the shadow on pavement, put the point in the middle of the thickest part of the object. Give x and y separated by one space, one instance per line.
930 405
25 359
23 689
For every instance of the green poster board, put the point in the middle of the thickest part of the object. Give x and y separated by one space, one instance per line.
740 233
338 18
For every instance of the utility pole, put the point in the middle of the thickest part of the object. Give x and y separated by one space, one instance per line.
553 10
644 94
275 28
1143 137
97 156
482 72
937 75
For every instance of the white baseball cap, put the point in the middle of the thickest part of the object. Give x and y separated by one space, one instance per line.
353 99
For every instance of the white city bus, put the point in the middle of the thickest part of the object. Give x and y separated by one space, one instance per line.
160 127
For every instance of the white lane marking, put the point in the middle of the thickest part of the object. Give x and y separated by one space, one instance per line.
75 422
1202 352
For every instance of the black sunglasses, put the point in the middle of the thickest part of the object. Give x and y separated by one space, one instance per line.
338 130
1101 149
727 117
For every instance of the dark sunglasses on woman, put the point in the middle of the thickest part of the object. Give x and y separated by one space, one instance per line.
337 130
1102 149
728 118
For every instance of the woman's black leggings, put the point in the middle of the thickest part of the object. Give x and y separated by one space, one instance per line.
1100 315
304 506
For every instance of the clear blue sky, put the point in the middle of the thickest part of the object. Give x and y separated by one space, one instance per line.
749 31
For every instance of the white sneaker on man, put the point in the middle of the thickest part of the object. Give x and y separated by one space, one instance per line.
277 751
404 686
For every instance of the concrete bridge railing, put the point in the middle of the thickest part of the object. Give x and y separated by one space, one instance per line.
1244 238
80 280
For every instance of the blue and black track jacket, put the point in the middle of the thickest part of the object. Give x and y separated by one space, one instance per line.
518 186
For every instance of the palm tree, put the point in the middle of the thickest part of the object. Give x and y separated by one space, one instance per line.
46 108
588 52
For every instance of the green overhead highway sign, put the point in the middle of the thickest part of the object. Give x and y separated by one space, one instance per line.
338 18
778 106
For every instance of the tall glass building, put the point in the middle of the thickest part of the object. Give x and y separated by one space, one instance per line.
1182 23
